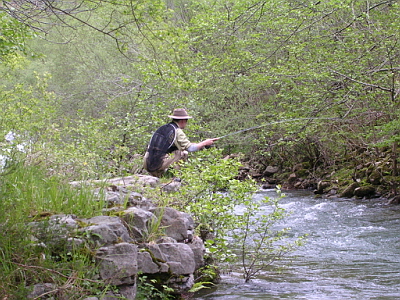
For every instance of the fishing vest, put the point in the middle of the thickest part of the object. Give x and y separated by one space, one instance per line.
161 143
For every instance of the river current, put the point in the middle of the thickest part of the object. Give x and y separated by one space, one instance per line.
352 252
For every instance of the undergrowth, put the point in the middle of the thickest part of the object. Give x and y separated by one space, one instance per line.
28 194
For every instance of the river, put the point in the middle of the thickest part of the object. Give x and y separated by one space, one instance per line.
352 252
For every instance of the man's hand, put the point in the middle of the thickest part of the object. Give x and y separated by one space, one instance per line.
207 143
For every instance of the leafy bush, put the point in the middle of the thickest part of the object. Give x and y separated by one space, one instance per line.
211 194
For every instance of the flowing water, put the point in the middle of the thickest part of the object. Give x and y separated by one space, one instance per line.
352 252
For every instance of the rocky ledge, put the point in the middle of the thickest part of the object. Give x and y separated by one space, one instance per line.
126 241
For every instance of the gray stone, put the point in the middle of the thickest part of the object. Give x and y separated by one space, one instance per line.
147 180
179 257
40 289
271 170
181 284
149 264
128 291
107 230
177 225
138 220
118 264
199 250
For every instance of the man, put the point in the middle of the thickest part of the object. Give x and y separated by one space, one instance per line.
169 144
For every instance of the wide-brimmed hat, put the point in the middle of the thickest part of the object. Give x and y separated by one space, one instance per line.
180 114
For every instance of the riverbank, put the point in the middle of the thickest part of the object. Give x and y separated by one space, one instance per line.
362 177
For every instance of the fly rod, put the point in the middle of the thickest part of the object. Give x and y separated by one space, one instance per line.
272 123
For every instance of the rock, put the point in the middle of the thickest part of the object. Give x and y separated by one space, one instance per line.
181 284
172 186
375 177
394 201
40 289
179 257
364 191
118 264
128 291
106 230
292 178
139 222
349 191
137 200
268 186
271 170
115 199
321 186
199 250
178 225
150 263
55 231
175 258
147 180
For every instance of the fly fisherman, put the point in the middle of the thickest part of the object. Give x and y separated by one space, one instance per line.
170 144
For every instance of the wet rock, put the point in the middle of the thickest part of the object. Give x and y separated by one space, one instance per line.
364 191
349 191
394 201
322 186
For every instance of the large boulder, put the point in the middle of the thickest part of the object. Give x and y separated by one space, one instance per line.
177 225
179 257
150 264
364 191
199 250
348 192
118 264
139 222
106 230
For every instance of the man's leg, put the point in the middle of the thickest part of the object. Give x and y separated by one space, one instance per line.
167 161
170 159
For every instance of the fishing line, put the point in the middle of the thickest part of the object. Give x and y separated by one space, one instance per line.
276 122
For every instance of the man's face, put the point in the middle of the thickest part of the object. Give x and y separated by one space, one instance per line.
182 124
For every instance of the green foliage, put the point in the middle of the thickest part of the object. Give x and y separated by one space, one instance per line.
12 38
118 68
246 62
214 198
147 290
210 194
258 241
28 194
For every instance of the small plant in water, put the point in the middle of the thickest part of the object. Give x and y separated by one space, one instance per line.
260 245
212 194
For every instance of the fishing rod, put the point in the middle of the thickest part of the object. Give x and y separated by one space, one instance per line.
276 122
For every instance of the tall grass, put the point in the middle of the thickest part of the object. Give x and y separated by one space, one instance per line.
28 194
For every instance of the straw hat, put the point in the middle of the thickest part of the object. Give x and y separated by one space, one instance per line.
180 114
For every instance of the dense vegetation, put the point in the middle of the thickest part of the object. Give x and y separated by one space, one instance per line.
85 83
